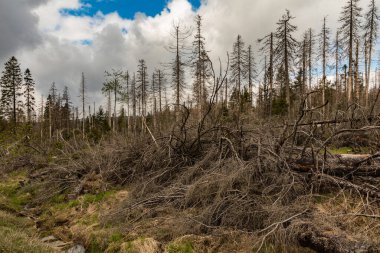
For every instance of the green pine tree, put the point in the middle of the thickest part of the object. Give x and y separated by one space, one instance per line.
30 101
11 84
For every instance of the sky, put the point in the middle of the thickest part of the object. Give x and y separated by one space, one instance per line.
59 39
125 8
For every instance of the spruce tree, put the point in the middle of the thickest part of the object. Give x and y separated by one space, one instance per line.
30 101
65 110
11 85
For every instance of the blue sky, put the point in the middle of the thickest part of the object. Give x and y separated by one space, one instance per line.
125 8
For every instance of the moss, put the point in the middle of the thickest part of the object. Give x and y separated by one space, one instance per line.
89 219
116 237
58 202
186 247
340 151
73 203
12 195
65 205
95 247
96 198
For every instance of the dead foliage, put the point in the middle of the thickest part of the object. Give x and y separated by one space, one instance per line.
254 178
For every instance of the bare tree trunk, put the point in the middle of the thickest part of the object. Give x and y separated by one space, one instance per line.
357 85
50 120
154 103
250 75
42 117
226 93
337 86
324 47
109 108
83 105
366 74
177 73
310 63
270 74
350 51
287 81
133 88
115 105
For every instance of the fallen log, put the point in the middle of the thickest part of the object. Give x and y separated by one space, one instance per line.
339 170
346 184
330 240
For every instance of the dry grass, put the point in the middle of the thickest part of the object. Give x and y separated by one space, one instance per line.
209 181
18 235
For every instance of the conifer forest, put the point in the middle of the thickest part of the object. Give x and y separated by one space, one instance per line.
273 146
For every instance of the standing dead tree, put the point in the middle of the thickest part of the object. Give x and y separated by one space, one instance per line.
324 49
178 48
200 68
371 27
237 69
349 31
113 84
268 49
285 49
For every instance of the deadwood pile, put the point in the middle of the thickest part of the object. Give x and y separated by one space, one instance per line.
261 178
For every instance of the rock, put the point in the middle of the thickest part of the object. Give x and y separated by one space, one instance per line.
76 249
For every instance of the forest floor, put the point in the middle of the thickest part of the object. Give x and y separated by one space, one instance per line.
78 221
116 197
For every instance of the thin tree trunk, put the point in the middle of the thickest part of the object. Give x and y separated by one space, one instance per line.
115 105
287 81
324 68
337 86
83 105
310 62
350 51
357 85
271 75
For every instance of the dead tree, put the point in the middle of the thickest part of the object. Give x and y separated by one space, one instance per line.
349 30
371 26
113 85
200 68
237 67
357 84
324 48
83 99
311 42
179 35
142 87
337 79
249 70
268 48
285 49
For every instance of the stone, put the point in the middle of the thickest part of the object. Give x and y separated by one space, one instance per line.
76 249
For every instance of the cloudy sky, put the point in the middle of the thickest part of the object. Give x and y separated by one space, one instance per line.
59 39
